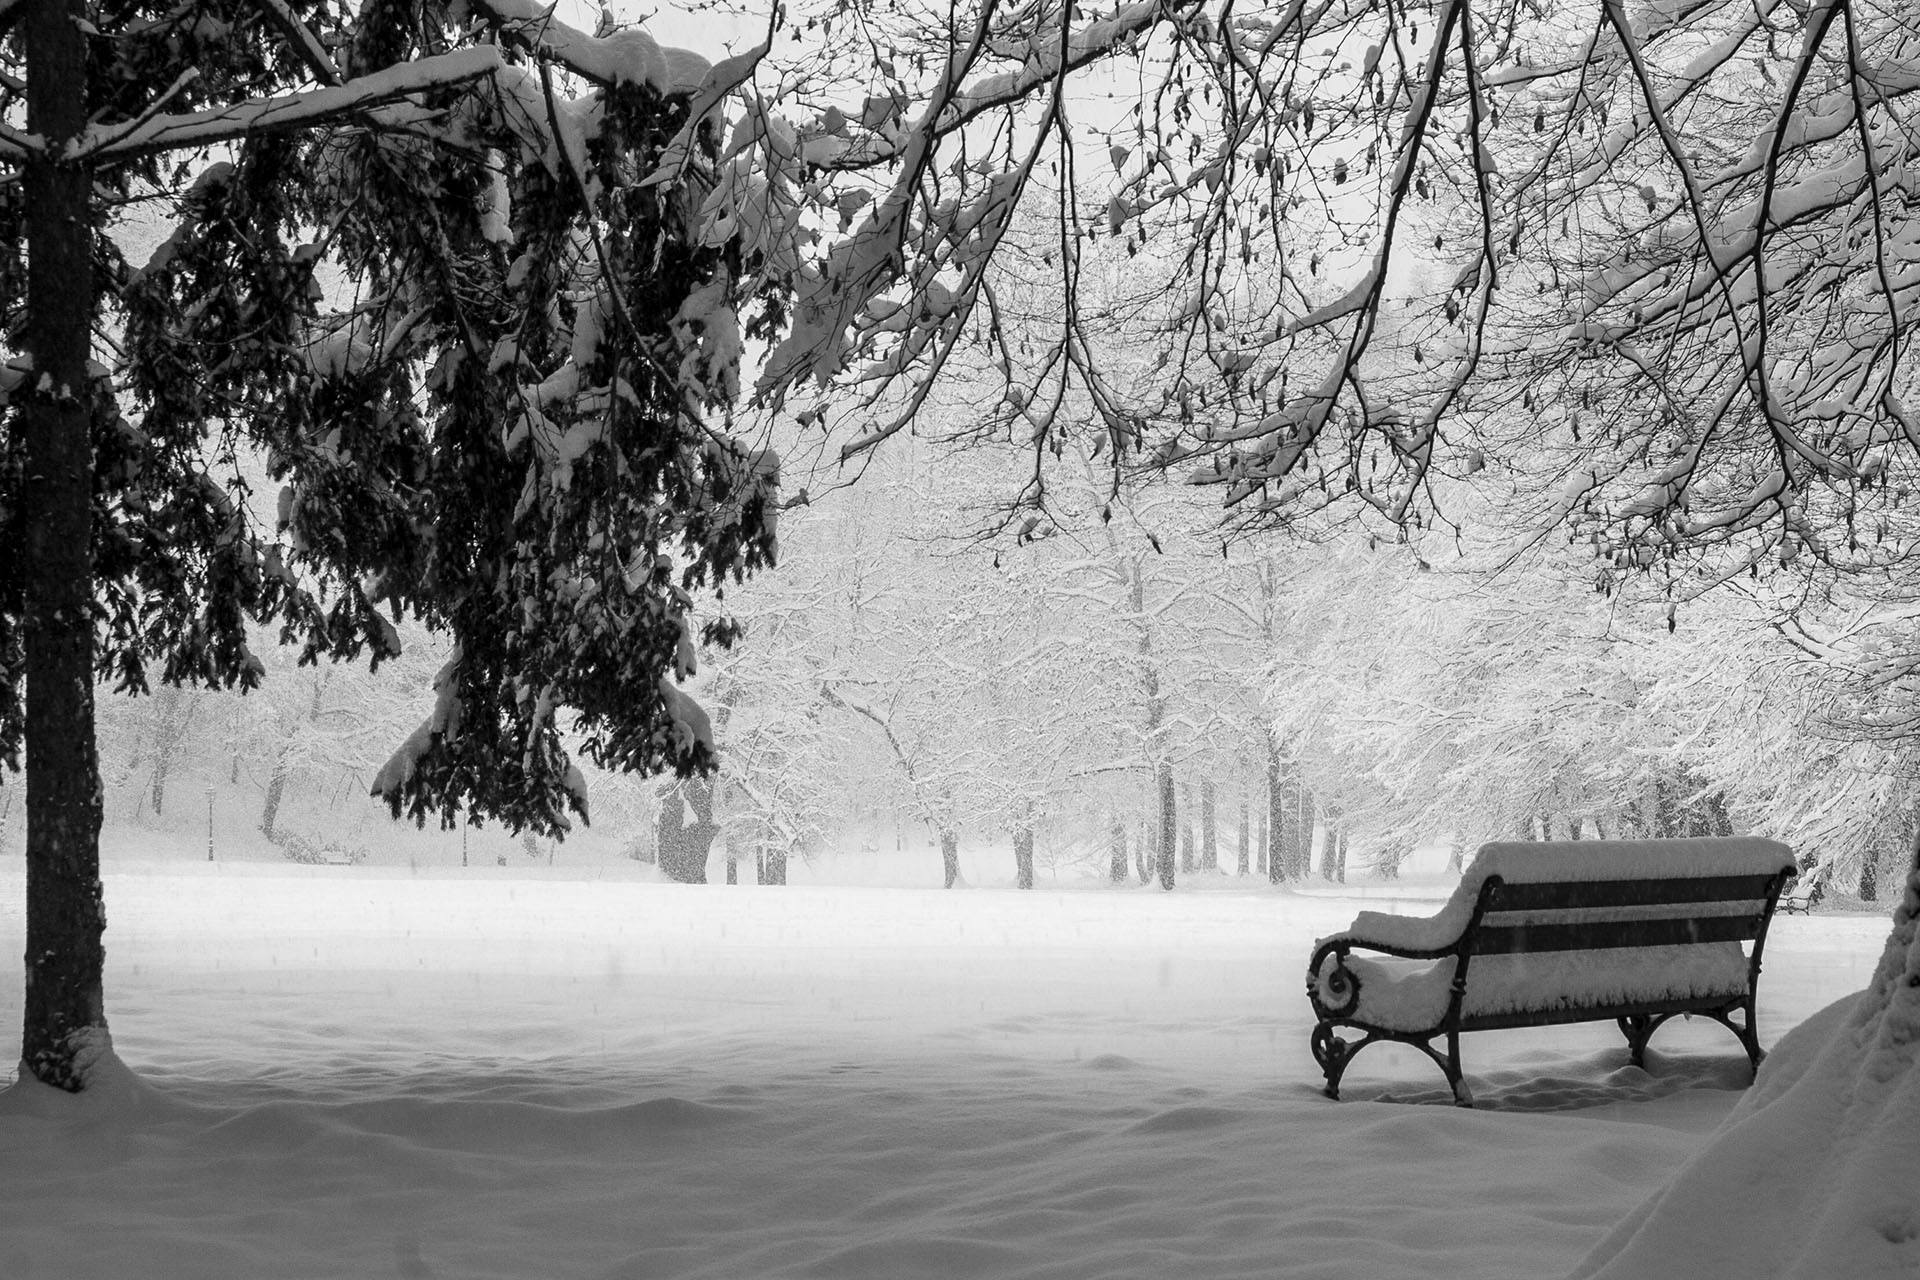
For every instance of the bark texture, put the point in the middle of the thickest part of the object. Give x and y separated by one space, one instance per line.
65 1012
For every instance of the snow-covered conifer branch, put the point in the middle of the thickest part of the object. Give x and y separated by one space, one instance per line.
284 112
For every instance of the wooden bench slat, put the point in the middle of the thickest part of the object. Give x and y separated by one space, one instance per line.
1575 894
1545 1017
1599 935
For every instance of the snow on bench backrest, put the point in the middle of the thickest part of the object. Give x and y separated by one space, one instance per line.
1558 861
1563 861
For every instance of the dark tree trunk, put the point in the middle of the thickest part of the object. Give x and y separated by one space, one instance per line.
950 857
1302 853
1117 863
1209 836
733 868
1023 857
276 789
772 864
1282 834
1263 843
1719 821
1329 839
157 781
1186 828
1141 850
686 830
1340 859
1240 863
65 1006
1169 816
1391 856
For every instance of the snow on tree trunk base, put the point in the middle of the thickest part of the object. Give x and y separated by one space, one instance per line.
1813 1175
106 1081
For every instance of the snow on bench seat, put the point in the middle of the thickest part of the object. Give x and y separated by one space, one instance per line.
1663 920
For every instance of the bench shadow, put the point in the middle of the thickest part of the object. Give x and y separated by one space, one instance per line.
1602 1079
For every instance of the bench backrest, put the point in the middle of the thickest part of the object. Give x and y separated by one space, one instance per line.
1594 915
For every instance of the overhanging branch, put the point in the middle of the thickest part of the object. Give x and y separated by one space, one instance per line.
355 97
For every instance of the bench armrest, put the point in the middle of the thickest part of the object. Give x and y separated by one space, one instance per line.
1333 988
1414 937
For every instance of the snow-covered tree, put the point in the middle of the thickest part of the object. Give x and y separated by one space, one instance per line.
442 271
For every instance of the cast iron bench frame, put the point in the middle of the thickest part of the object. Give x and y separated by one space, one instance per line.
1638 1019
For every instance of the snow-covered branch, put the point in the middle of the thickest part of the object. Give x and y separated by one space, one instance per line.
354 98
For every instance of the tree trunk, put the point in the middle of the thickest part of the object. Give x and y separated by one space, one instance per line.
1240 863
276 789
733 868
1186 828
1263 843
1280 833
1168 817
1303 856
1719 821
686 830
1209 841
1340 860
1023 857
172 714
1117 863
65 1009
773 866
162 757
1329 838
950 857
1140 851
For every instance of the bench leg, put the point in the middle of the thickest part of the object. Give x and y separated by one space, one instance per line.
1745 1028
1449 1064
1462 1096
1638 1029
1333 1054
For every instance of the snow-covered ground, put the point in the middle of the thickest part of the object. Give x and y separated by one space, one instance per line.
514 1072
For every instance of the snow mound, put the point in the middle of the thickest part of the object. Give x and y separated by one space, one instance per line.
1819 1162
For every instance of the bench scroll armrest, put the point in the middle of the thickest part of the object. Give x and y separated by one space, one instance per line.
1332 985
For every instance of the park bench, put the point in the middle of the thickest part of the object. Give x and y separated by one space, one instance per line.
1541 933
1804 892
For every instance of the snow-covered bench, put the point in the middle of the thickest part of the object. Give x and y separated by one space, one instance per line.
1548 932
1803 894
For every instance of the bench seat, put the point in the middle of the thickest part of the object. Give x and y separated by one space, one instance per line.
1409 995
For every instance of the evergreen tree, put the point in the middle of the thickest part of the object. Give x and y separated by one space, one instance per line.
440 273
